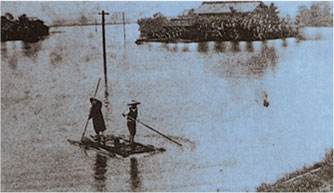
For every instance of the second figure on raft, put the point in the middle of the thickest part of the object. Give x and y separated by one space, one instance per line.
131 119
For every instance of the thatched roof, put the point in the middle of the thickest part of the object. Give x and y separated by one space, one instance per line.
221 7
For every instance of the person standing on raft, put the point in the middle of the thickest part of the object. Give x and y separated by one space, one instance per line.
131 119
97 116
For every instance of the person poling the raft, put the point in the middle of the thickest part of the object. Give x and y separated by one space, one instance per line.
131 119
97 116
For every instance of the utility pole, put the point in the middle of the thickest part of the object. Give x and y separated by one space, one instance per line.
106 94
123 16
95 25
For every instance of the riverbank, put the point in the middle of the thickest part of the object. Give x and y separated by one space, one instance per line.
315 178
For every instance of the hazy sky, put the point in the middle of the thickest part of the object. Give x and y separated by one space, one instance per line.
51 11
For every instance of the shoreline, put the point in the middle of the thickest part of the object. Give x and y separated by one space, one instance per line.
144 40
315 178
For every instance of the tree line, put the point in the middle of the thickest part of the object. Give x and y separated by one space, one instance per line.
261 24
22 28
320 14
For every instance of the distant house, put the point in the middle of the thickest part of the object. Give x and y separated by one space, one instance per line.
226 7
217 8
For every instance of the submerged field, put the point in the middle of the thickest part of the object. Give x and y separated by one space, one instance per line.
246 113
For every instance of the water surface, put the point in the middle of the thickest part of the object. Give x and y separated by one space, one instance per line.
207 96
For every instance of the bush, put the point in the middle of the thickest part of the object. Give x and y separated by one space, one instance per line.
23 28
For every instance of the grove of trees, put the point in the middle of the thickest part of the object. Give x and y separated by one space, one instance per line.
320 14
23 28
261 24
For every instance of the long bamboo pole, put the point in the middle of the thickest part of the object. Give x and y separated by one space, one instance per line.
97 87
153 130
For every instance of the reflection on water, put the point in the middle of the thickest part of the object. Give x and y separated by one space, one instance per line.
185 48
245 64
12 62
134 175
11 57
3 49
174 48
249 46
31 50
284 43
100 169
163 46
220 47
264 45
235 47
258 64
203 47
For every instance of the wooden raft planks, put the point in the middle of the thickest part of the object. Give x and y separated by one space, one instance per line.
123 149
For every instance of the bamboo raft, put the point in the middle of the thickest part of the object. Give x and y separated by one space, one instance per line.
115 145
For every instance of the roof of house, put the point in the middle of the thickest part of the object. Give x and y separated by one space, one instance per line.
219 7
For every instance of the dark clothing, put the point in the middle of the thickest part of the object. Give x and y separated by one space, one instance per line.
132 127
97 116
131 123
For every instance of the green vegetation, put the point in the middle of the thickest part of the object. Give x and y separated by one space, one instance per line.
23 28
317 178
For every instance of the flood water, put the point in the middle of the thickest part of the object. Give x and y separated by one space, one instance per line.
209 97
